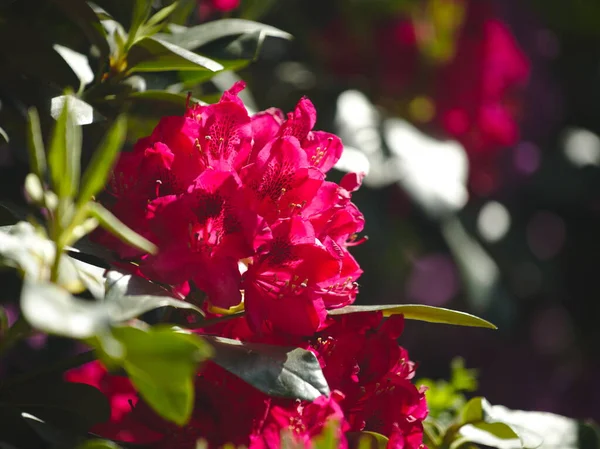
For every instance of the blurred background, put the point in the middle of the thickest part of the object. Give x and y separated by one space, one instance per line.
477 122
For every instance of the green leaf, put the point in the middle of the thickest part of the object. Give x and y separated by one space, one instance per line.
65 153
152 54
24 50
492 434
274 370
472 411
70 406
54 310
96 174
99 444
162 364
255 9
162 14
200 35
141 12
116 227
367 440
37 153
158 101
193 78
84 16
129 296
463 379
4 135
421 313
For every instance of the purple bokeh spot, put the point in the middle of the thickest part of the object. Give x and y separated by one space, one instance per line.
433 281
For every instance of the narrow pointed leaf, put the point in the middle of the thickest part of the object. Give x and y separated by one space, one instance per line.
200 35
4 135
162 14
35 144
152 54
274 370
116 227
421 313
141 12
102 161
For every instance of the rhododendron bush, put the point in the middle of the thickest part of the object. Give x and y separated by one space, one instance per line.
193 256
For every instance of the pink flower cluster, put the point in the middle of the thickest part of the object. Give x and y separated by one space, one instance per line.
239 206
476 93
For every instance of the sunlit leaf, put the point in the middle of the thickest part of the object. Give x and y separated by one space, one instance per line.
129 296
81 112
54 310
78 62
200 35
152 54
4 135
421 313
274 370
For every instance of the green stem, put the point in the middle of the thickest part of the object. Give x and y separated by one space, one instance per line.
60 366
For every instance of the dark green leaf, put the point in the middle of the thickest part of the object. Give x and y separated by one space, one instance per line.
421 313
162 364
84 16
193 78
37 153
102 161
54 310
152 54
255 9
116 227
200 35
274 370
158 100
24 50
72 406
